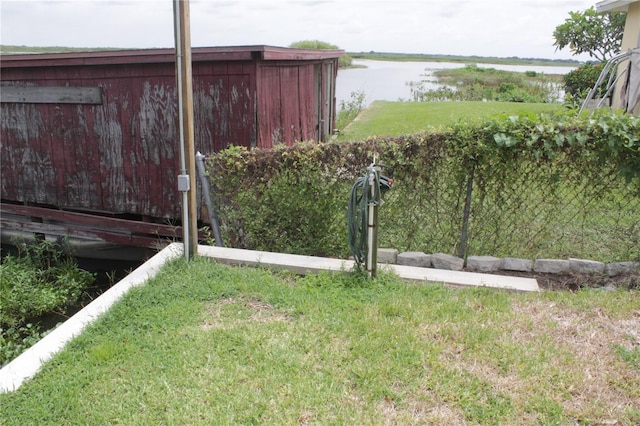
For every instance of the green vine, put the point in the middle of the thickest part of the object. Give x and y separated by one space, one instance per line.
293 199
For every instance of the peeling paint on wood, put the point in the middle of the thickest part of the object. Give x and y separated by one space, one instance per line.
121 155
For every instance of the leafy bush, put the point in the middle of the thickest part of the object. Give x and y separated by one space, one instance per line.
578 82
40 280
541 186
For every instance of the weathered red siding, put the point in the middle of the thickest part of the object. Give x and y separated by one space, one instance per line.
120 156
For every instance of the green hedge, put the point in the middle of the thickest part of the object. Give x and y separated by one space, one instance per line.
526 186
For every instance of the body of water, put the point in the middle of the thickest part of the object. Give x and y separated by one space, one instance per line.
389 81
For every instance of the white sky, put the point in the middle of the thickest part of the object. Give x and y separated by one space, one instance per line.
500 28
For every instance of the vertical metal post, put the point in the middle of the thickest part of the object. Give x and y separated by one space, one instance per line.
187 179
462 248
206 193
372 222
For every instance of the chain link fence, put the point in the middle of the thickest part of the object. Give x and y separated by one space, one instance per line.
511 205
527 209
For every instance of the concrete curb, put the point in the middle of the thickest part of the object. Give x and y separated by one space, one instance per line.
29 362
311 264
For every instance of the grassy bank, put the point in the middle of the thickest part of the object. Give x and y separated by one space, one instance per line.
384 118
203 343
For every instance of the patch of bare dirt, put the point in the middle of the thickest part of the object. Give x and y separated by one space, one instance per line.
414 411
604 380
585 374
251 310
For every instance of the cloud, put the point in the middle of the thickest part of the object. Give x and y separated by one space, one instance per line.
480 27
310 2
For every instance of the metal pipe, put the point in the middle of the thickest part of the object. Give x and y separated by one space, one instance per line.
372 222
206 192
613 62
462 248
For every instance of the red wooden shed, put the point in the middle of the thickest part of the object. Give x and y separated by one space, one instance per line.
90 136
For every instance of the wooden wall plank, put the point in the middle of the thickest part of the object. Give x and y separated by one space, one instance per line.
63 159
108 130
52 95
80 179
220 68
90 151
240 111
270 130
290 104
159 138
133 166
308 122
219 93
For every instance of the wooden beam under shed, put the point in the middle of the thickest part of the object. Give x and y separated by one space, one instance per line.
61 223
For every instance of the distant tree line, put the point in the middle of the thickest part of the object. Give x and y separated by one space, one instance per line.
344 61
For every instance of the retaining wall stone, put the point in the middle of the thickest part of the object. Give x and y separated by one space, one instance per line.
483 263
446 261
618 268
387 255
414 258
584 266
516 264
492 264
551 266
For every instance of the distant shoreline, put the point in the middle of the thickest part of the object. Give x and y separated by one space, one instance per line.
380 56
420 57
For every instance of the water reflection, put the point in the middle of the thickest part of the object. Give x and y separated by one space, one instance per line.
389 81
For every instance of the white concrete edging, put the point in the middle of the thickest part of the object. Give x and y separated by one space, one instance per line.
27 364
311 264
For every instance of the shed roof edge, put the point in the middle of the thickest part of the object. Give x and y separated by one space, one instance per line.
164 55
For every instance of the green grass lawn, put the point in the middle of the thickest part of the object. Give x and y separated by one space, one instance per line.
383 118
203 343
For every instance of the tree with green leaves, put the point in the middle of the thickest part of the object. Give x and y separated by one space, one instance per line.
344 61
597 34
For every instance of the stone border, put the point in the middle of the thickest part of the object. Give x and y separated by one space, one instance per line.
506 264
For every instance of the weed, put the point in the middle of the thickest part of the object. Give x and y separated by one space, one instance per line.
630 356
42 279
350 109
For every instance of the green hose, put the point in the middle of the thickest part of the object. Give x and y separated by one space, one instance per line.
359 200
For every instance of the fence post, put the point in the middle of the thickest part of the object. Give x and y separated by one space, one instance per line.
462 247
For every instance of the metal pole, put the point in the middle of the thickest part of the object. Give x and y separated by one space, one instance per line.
372 228
186 181
466 215
206 193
